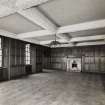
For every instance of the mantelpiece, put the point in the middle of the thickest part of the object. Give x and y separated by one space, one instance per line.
74 64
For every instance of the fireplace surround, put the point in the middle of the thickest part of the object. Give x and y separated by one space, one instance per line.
74 64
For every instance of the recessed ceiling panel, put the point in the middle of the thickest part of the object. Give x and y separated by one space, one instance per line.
67 12
17 24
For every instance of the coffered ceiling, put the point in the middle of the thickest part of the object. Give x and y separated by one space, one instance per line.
37 21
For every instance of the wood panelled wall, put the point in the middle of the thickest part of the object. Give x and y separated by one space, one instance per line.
93 58
38 58
14 57
17 52
47 58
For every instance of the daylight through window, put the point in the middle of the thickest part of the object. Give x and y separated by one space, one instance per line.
0 53
27 54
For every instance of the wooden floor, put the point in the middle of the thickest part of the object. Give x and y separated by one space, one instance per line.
54 88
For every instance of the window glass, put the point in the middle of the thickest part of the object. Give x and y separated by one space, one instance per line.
27 54
0 53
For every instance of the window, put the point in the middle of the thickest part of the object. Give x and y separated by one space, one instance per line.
27 54
0 52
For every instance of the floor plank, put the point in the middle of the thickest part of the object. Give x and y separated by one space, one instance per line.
54 88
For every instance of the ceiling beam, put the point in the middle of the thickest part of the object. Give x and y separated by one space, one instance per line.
34 15
91 43
14 36
79 39
83 44
82 26
41 33
48 41
24 4
35 34
8 7
87 38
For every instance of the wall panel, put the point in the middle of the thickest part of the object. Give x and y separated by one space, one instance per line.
14 57
17 51
93 58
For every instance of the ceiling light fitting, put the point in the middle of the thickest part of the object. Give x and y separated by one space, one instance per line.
54 43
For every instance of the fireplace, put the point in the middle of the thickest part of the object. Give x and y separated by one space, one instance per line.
74 64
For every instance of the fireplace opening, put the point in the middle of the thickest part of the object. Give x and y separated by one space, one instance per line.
74 64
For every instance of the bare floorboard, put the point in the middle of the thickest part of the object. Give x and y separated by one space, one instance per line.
54 88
